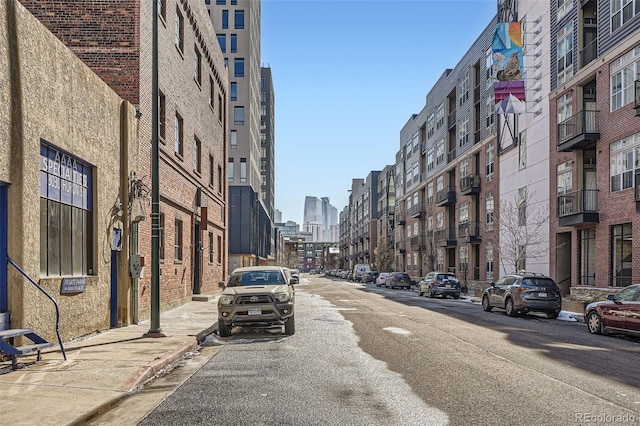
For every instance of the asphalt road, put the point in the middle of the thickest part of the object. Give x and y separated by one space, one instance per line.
363 355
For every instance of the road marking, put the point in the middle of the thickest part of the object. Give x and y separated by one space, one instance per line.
397 330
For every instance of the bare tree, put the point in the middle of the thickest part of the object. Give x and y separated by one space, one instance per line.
384 256
521 231
291 255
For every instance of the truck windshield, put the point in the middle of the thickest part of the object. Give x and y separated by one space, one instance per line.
256 278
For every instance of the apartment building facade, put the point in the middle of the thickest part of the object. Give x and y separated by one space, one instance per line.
251 195
446 174
115 40
595 146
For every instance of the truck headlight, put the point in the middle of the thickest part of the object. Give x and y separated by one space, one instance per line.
282 297
226 300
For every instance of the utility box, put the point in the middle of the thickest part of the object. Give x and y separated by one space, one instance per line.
136 262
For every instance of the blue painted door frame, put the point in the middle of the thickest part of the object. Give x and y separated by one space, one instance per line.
4 296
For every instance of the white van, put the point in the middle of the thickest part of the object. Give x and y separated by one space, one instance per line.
360 269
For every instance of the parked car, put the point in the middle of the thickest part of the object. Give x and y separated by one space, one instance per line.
524 292
398 279
257 296
439 283
620 313
369 277
382 279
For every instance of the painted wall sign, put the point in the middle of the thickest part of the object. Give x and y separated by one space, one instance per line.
64 178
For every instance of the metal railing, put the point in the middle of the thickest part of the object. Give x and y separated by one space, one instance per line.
580 123
576 202
55 304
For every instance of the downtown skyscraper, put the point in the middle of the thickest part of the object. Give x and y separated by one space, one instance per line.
320 218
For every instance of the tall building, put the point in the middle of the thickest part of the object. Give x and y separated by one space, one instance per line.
251 196
320 218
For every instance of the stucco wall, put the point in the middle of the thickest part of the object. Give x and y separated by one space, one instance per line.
47 93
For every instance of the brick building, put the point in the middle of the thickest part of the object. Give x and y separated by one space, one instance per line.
114 38
595 147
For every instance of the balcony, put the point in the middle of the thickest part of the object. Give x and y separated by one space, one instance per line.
446 237
417 243
446 197
581 131
451 155
469 232
416 211
401 219
401 246
470 185
578 208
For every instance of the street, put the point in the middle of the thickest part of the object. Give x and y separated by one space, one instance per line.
366 355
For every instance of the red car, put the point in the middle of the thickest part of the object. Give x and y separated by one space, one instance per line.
620 313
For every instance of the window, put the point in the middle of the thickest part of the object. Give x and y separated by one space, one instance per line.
211 91
430 158
238 115
564 7
197 66
179 142
238 67
233 136
179 30
625 162
440 116
624 71
440 151
488 65
197 154
238 19
162 124
464 213
621 254
220 181
210 247
178 240
464 258
522 150
489 167
587 250
222 41
234 43
430 193
490 208
464 90
243 170
430 125
161 234
233 91
220 111
221 2
211 169
491 111
522 206
225 19
219 249
162 9
489 255
230 170
66 214
464 168
440 220
463 133
565 53
622 11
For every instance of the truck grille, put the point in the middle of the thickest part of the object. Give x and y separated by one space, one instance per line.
255 299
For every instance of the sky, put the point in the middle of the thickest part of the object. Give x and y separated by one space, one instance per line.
347 76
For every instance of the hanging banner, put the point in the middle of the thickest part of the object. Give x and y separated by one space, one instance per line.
508 68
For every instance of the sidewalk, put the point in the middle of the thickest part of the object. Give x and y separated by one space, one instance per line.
101 369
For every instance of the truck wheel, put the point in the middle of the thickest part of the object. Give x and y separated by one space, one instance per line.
223 329
290 326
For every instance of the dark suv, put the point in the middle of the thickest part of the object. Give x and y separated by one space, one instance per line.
523 292
440 284
398 279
